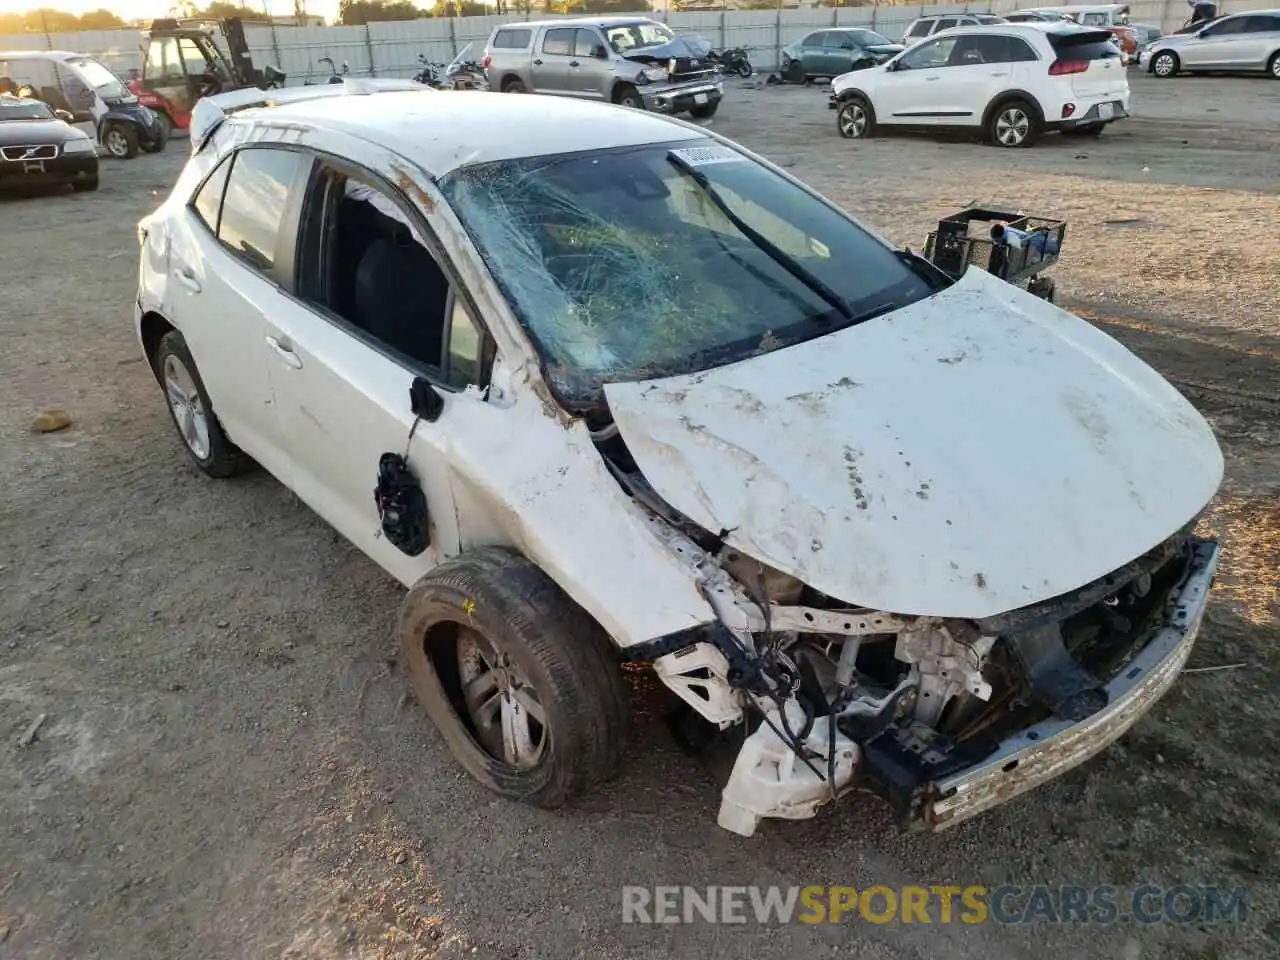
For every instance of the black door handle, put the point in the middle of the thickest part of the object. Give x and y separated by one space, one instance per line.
573 63
537 63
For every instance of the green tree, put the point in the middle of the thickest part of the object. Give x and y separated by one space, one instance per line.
354 13
100 20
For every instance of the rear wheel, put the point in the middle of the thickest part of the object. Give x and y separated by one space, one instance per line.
192 413
1164 64
513 86
1013 123
1273 67
160 138
745 69
855 119
522 684
120 140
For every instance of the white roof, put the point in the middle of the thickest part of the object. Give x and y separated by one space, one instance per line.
449 129
43 55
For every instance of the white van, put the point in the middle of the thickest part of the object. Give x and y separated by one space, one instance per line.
95 97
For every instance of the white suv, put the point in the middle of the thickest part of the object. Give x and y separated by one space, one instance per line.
1011 81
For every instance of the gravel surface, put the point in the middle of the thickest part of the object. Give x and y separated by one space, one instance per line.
229 766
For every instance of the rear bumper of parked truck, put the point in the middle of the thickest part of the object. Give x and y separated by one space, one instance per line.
1050 748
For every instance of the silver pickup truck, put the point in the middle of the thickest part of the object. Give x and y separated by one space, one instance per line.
631 61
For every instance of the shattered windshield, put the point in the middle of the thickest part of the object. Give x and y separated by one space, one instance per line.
632 36
663 259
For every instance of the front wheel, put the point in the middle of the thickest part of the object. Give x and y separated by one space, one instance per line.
704 111
1013 124
120 140
793 72
855 119
520 681
745 69
1273 68
87 185
628 96
1164 65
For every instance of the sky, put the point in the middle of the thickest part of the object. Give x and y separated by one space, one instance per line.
139 9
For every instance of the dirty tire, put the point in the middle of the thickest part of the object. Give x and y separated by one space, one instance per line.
161 139
120 140
221 458
1165 65
513 86
566 659
856 119
705 111
1013 124
625 95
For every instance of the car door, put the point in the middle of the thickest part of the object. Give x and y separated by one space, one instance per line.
813 53
591 72
227 253
981 68
1212 48
551 61
841 52
914 92
372 317
1254 44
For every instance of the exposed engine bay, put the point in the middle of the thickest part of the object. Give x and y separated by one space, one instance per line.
842 698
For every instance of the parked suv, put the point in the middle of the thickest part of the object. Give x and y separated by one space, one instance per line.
927 26
631 61
1012 81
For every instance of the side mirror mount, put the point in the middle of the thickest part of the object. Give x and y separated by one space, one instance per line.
424 400
599 52
66 116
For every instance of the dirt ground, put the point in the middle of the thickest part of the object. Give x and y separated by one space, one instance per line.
230 767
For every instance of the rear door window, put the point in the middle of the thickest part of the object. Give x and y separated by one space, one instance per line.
1261 23
208 201
921 28
814 39
254 203
559 42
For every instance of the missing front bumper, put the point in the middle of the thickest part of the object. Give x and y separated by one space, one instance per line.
1050 748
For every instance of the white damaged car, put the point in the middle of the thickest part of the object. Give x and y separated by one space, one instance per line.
600 386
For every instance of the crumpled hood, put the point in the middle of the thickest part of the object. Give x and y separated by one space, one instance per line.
964 456
679 48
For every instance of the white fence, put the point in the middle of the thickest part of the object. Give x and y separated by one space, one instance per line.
390 49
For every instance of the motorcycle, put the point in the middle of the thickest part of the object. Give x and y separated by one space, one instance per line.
464 73
734 60
431 73
334 75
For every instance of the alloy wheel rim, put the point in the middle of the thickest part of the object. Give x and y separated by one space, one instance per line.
853 121
188 409
116 143
508 718
1012 127
1275 67
1164 65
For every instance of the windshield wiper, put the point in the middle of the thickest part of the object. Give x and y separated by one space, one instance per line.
776 255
